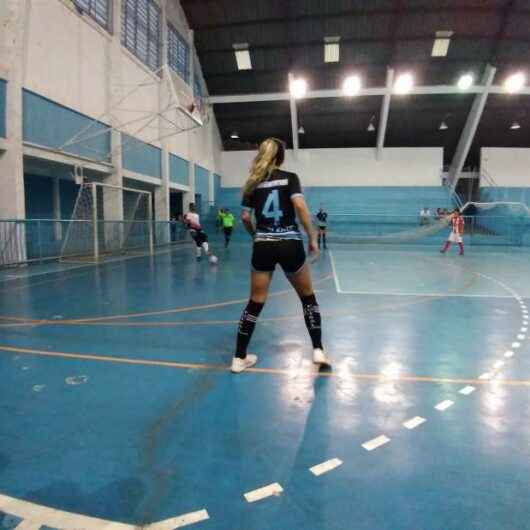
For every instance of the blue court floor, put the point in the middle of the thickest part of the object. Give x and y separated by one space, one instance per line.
118 410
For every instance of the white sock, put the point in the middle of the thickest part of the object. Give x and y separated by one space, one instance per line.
206 247
199 252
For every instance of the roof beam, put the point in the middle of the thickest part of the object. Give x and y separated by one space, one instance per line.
356 40
383 115
374 91
464 11
470 128
294 120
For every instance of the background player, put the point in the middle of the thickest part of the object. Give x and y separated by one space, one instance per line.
457 231
322 223
228 221
277 200
193 224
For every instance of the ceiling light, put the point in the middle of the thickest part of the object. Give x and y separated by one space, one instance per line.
404 83
370 127
234 136
301 130
298 87
443 126
515 125
242 56
351 85
441 43
515 82
465 81
331 49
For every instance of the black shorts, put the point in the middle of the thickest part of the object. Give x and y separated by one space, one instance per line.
227 230
199 237
288 253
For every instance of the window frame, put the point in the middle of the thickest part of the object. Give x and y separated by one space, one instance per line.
90 9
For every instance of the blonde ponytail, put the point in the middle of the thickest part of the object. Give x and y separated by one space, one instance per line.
264 163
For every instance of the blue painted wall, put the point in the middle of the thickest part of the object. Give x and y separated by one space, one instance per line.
395 200
49 124
3 105
178 170
202 185
141 157
217 188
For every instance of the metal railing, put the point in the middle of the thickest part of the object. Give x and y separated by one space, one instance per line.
39 240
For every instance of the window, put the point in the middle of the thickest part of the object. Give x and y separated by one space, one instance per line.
197 87
96 9
178 53
140 30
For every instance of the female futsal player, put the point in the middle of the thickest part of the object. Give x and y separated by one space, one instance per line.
193 224
322 222
277 200
457 231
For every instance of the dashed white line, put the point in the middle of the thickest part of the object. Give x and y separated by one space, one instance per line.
521 336
485 375
508 354
516 344
467 390
524 329
263 493
370 445
180 521
414 422
326 466
444 405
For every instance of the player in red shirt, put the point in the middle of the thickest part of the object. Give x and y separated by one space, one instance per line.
457 231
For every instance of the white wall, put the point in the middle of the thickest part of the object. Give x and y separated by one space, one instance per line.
68 58
508 166
348 167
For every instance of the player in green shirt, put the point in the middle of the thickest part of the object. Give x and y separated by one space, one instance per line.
219 220
229 222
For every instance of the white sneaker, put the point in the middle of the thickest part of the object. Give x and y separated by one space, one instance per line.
238 365
319 357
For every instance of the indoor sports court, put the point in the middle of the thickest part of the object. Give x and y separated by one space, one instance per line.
378 152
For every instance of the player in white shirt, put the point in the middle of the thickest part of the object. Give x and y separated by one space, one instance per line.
192 222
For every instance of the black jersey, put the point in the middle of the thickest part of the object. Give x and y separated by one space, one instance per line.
322 218
273 207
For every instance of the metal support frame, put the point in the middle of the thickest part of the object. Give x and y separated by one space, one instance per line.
383 117
470 128
424 90
95 227
294 119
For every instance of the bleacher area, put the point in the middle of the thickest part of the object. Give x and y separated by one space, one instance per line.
362 200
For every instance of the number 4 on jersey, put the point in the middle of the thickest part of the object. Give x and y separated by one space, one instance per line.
271 210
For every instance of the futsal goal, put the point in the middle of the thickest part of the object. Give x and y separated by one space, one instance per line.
108 220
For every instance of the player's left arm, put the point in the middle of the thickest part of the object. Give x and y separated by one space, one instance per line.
246 218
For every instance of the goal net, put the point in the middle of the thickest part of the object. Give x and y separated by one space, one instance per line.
108 220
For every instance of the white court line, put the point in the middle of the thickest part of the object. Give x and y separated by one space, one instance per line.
414 422
521 336
335 275
427 295
374 443
516 344
324 467
444 405
508 354
498 364
45 516
467 390
263 493
485 375
524 329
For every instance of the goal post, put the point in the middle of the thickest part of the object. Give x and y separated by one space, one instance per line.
108 220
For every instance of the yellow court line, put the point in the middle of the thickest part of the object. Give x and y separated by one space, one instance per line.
269 371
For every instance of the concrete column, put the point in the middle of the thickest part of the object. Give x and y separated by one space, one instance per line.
189 196
13 21
211 188
162 191
294 119
57 227
113 199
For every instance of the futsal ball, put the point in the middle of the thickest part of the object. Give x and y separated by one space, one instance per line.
213 260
